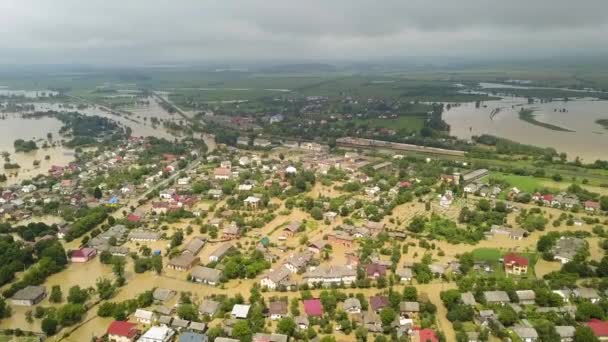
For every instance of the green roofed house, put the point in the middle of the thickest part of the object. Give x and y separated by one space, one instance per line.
265 241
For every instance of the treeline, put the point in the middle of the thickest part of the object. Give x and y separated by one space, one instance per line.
92 218
506 146
25 145
46 258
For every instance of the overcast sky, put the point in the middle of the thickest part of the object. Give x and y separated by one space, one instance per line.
173 31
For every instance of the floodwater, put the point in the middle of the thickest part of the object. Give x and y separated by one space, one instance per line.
13 127
588 141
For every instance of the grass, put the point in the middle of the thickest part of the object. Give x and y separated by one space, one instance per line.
490 255
412 123
528 116
8 338
524 183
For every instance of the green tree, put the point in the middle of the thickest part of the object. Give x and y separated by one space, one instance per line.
584 334
56 296
286 326
387 316
97 193
188 312
105 288
49 326
242 331
76 295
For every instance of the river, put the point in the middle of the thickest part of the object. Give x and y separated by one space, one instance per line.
588 141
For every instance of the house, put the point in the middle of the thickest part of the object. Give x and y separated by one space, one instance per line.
222 173
261 143
599 328
313 307
352 305
316 246
330 216
231 231
424 335
525 297
409 309
375 271
144 316
377 303
446 199
525 334
276 278
179 324
405 274
197 326
592 206
183 262
302 322
120 331
252 202
486 316
566 248
341 237
496 297
587 293
83 255
292 228
195 245
565 332
157 334
220 252
162 295
206 275
277 309
372 322
143 235
467 298
512 233
242 141
328 275
260 337
215 193
515 264
208 307
189 336
298 262
28 296
240 311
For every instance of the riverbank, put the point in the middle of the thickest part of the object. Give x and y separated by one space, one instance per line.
528 116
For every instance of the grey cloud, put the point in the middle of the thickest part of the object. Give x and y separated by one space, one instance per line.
148 31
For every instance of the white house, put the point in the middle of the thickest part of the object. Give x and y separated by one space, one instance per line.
157 334
144 316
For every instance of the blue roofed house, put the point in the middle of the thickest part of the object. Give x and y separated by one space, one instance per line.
192 337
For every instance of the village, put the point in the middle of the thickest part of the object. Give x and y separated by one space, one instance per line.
274 242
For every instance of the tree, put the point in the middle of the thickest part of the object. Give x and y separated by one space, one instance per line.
242 331
584 334
417 224
604 203
56 295
507 316
387 316
316 213
97 193
410 294
286 326
77 295
49 326
105 288
188 312
586 311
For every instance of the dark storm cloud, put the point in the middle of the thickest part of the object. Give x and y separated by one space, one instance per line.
148 31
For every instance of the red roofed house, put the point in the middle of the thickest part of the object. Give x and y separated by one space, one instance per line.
120 331
592 205
405 184
515 264
313 307
378 303
547 199
375 270
133 218
222 173
424 335
600 329
83 254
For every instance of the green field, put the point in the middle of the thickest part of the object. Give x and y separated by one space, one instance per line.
490 255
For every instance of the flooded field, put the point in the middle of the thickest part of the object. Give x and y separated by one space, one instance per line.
501 118
13 127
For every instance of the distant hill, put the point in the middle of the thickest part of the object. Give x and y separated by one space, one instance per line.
312 67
